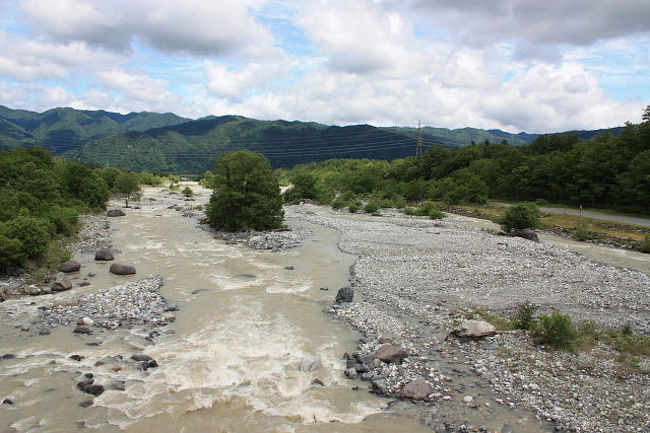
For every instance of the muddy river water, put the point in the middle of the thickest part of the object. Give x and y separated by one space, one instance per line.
229 363
231 360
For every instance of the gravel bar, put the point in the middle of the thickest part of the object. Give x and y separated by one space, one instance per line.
125 306
416 278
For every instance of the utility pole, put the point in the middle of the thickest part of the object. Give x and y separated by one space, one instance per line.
418 148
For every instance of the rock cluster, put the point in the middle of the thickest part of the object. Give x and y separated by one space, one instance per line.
95 233
123 306
271 240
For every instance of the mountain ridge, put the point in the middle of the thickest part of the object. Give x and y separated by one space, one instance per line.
167 142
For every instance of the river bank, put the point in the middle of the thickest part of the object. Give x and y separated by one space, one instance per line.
250 317
417 278
246 347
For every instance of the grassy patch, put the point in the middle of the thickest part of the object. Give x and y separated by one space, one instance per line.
558 331
581 232
501 323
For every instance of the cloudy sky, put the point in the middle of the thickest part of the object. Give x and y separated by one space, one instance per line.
518 65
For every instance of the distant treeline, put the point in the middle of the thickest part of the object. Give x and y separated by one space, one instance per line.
41 197
605 171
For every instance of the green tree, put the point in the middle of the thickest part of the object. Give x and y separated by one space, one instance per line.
246 194
24 237
127 186
521 216
646 114
187 192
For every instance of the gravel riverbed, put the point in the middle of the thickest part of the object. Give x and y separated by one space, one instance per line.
415 279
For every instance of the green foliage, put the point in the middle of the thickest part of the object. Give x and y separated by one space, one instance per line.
339 203
127 186
581 232
524 318
464 187
146 178
354 206
426 209
437 214
645 247
521 216
499 322
556 330
541 202
372 206
64 219
32 233
41 198
187 192
207 180
246 194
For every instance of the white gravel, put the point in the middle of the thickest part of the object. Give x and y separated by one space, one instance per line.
415 278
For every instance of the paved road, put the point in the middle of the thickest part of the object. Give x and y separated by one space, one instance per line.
598 215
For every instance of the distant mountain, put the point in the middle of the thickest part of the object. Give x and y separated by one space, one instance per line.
464 136
194 146
65 129
167 142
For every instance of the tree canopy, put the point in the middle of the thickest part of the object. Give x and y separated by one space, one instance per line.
246 194
604 171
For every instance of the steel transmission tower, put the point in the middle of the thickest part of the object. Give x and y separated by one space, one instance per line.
418 147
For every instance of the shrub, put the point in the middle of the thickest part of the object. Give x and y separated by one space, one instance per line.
524 318
372 206
354 206
556 330
187 192
581 232
437 214
64 219
398 202
339 203
427 209
541 202
32 234
645 247
521 216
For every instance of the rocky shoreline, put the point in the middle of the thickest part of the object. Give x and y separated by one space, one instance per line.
416 279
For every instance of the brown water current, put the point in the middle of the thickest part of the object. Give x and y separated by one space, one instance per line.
230 361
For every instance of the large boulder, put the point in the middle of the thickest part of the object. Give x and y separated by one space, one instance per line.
121 269
104 254
418 389
61 283
70 266
345 294
527 234
115 213
391 354
474 329
141 357
89 387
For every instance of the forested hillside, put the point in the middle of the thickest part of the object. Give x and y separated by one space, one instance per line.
194 146
605 171
169 143
64 129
